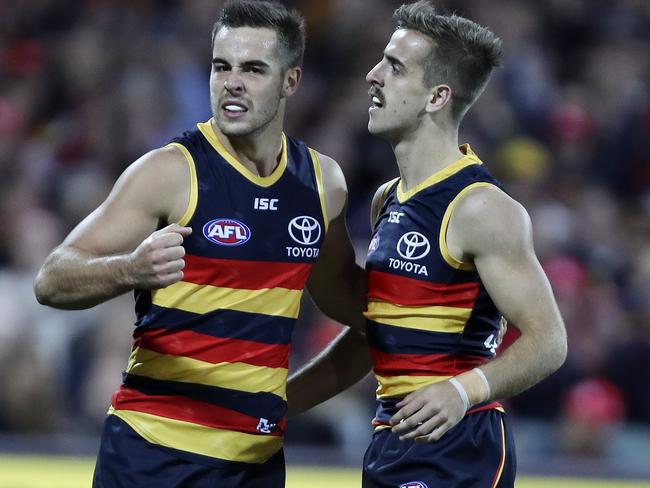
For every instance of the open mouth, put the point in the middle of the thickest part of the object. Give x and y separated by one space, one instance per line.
234 109
376 99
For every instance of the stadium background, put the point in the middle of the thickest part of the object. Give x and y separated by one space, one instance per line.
87 86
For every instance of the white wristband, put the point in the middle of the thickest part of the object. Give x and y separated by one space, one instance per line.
461 391
481 374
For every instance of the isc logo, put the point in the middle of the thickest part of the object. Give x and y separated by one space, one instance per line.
265 203
414 484
227 232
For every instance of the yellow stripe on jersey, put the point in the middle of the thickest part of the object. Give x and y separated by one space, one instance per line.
442 239
432 319
389 184
194 185
468 159
235 376
319 183
202 299
399 386
264 181
207 441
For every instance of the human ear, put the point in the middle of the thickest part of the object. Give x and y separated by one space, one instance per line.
291 81
439 97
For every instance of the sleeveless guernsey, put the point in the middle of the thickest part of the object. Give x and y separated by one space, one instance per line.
208 369
429 316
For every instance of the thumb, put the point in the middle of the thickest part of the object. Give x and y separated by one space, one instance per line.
184 231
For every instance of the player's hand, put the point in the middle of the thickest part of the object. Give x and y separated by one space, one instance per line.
158 261
426 414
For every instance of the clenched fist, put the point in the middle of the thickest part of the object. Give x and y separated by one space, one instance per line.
158 261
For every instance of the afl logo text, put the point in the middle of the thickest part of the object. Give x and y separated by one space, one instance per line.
227 232
413 246
304 230
414 484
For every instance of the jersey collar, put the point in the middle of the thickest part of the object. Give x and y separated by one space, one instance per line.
468 159
265 181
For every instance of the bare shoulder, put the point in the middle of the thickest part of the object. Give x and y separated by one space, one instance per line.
333 177
166 165
152 190
334 185
160 178
486 219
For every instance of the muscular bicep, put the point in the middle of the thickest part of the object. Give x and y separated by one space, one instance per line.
516 283
152 191
336 281
495 231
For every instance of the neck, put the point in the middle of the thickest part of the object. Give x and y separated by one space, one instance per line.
426 152
259 151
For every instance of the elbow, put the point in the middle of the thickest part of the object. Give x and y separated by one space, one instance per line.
559 352
43 290
47 292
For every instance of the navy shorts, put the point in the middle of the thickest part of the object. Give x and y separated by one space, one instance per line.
126 460
478 452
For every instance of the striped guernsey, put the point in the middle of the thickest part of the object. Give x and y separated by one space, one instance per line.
429 316
207 373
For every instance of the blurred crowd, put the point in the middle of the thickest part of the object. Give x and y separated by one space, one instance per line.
88 86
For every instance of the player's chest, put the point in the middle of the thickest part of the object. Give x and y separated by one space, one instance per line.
406 242
256 223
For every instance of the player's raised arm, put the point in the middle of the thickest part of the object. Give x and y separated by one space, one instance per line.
118 247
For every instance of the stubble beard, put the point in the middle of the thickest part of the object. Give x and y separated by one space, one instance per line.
256 124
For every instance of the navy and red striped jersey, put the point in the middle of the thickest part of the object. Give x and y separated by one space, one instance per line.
429 316
208 369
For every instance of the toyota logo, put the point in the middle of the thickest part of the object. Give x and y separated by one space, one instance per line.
304 230
413 245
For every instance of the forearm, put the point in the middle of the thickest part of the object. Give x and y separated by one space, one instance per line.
344 362
74 279
525 363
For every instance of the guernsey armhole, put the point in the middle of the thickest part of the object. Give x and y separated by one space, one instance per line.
382 199
319 184
194 187
389 185
444 250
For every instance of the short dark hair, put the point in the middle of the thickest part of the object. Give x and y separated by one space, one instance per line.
463 55
288 24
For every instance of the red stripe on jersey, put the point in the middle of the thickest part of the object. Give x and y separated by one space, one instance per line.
245 275
487 406
422 365
214 349
408 291
188 410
